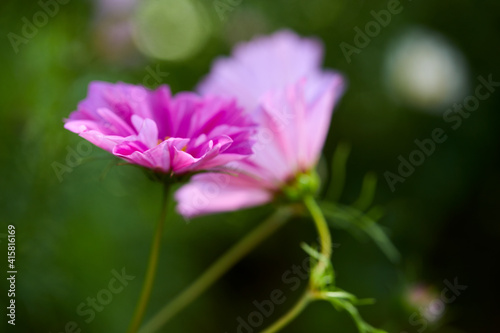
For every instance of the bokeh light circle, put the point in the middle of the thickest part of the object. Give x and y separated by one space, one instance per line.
170 29
425 70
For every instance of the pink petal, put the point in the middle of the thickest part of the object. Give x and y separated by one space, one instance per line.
106 142
148 132
262 65
134 156
114 124
326 91
210 193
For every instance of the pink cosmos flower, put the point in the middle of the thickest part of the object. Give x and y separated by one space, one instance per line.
169 134
278 79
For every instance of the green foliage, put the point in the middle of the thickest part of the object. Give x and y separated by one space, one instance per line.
323 288
337 179
359 218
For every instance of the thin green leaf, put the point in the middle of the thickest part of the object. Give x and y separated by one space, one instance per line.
326 280
363 327
337 180
358 221
367 192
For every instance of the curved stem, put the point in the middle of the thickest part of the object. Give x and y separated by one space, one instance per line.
152 265
290 315
219 268
326 252
323 231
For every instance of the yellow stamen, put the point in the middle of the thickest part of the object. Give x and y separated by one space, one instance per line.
160 140
168 137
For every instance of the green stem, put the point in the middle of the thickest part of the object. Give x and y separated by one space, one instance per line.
219 268
290 315
323 231
326 251
152 265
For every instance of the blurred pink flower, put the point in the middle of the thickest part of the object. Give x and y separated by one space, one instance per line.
278 79
180 134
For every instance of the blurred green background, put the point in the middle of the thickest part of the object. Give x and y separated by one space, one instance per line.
73 230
